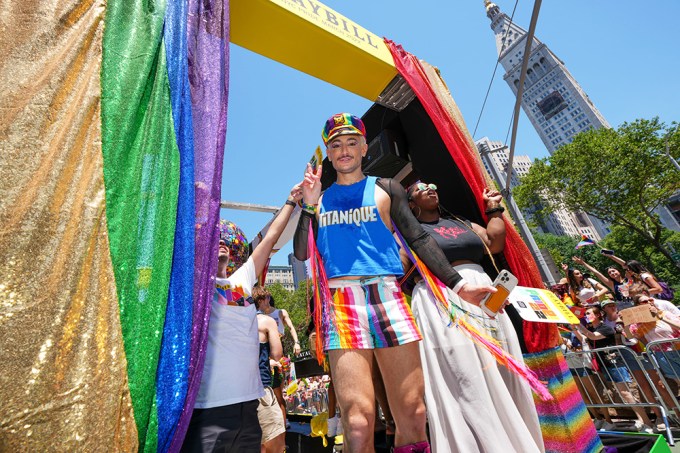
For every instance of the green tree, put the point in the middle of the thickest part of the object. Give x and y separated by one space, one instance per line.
625 245
631 247
563 248
619 176
295 303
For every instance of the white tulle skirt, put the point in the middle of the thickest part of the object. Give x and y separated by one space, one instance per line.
473 404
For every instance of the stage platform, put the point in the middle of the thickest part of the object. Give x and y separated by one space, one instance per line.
635 442
298 440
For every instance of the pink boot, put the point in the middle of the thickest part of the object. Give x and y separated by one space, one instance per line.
419 447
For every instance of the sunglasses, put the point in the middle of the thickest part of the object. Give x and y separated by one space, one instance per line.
422 186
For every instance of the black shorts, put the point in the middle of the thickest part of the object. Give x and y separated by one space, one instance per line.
232 428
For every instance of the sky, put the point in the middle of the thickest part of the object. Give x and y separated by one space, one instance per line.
625 55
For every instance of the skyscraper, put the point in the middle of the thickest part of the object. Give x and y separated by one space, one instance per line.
495 157
555 103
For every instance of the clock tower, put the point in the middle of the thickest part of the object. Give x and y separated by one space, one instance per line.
555 103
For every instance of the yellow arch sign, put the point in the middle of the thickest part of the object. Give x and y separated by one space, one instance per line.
311 37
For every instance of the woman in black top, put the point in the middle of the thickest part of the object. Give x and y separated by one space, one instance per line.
473 404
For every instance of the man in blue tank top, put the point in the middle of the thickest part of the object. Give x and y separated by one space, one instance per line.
368 316
271 351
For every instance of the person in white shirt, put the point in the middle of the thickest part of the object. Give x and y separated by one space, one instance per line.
225 413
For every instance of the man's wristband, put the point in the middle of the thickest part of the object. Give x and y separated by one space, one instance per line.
311 208
290 203
500 209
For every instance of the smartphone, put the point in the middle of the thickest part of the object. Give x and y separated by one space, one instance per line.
607 252
316 159
504 284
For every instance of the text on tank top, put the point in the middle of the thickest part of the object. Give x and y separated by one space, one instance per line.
352 238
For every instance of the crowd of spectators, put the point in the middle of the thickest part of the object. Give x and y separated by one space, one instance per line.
628 373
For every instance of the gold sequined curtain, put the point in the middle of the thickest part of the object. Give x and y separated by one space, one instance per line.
63 386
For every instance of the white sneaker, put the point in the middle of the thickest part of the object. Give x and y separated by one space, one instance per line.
332 426
598 422
642 428
606 426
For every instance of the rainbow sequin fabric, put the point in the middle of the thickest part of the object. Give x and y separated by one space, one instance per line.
565 422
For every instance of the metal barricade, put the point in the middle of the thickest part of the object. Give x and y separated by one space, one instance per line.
617 377
665 355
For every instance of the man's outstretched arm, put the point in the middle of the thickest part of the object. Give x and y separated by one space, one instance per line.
311 192
264 248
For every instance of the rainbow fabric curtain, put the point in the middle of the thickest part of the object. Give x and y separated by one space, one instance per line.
112 124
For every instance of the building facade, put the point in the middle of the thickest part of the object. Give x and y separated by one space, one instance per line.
554 102
282 275
495 157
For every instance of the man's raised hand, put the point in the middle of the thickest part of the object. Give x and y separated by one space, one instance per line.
311 186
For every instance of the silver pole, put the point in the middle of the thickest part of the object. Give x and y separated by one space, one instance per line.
520 89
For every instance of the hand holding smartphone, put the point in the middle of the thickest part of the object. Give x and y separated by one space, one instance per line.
607 252
504 284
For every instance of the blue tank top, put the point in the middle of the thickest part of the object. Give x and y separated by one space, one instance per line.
352 238
265 370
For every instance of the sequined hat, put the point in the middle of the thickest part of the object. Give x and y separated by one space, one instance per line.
236 240
342 124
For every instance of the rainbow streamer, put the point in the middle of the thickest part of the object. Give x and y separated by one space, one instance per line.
437 288
565 422
322 293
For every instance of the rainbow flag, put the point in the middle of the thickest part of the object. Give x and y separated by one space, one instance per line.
585 241
113 130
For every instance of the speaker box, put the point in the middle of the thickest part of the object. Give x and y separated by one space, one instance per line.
307 368
386 155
